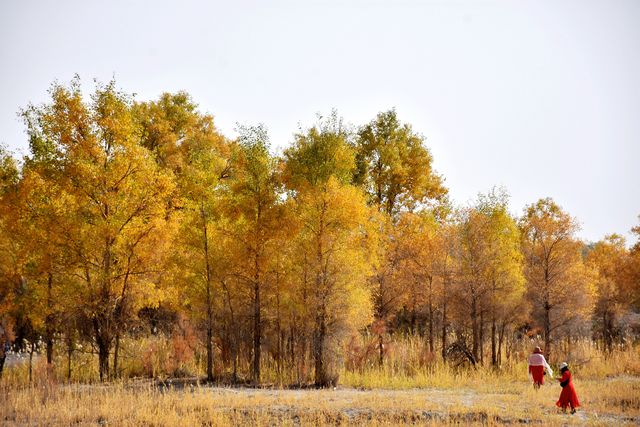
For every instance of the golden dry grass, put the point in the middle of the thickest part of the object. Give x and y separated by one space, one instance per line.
403 391
613 401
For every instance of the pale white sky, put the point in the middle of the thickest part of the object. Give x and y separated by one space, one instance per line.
542 97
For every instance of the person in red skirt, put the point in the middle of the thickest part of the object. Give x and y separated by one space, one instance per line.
537 367
568 396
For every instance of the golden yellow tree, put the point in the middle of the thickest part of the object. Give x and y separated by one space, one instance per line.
254 210
187 143
333 242
12 252
557 283
607 258
631 281
490 278
117 205
418 271
394 167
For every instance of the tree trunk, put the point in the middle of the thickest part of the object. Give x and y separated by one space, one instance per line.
444 329
279 333
500 340
49 329
209 347
380 350
412 324
4 341
547 330
482 337
103 341
69 354
380 320
31 351
321 379
474 328
431 344
608 331
3 356
209 296
257 326
116 352
494 356
103 361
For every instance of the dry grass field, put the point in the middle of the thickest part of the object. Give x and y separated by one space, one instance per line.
614 401
402 392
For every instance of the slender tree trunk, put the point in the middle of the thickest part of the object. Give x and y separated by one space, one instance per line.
482 336
380 350
31 351
3 357
3 354
49 322
209 346
318 348
494 355
474 327
431 343
412 324
605 330
381 321
279 333
4 339
103 322
444 327
547 330
116 352
500 341
209 296
431 340
608 330
292 352
69 354
257 326
302 358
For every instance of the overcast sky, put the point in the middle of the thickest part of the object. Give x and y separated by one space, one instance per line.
542 97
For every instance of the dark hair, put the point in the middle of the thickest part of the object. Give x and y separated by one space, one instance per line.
566 368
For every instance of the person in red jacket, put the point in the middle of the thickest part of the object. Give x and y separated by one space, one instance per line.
568 396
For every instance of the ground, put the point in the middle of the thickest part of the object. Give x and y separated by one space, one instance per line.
614 401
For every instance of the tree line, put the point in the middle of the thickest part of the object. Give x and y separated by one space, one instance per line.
126 212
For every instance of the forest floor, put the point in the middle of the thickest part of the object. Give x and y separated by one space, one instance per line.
612 401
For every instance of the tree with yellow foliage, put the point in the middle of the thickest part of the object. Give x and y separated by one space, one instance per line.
490 271
254 210
12 251
394 167
631 282
188 144
607 258
418 271
557 282
333 241
117 200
